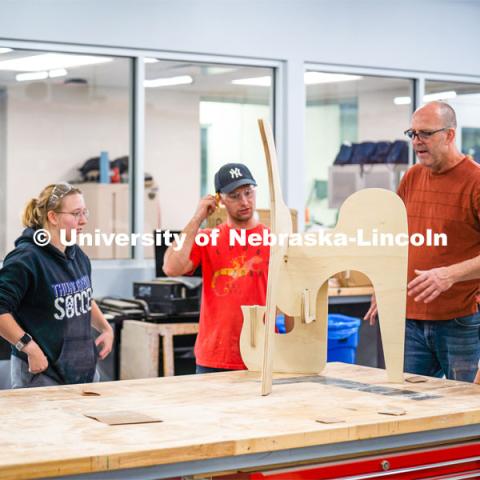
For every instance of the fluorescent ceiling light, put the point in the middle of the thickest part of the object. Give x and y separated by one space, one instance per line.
5 50
168 81
150 60
430 97
50 61
315 78
402 100
59 72
218 70
255 81
310 78
439 96
25 77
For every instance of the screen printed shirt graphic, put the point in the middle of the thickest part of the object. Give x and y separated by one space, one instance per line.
72 299
224 279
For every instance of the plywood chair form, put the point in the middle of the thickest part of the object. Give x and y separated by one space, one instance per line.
298 283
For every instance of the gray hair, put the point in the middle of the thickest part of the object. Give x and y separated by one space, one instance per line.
447 113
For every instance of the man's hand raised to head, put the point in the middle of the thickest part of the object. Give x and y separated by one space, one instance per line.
206 207
177 262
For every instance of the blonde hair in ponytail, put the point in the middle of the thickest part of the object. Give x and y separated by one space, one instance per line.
50 198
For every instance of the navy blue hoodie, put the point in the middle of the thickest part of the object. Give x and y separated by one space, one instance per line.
49 294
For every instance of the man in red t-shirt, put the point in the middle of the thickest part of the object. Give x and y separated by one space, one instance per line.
234 269
441 193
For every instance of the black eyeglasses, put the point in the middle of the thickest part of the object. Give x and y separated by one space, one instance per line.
423 134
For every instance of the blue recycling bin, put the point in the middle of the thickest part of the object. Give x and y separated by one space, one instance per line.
280 323
342 338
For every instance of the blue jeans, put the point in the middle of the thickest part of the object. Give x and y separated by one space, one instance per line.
202 369
443 347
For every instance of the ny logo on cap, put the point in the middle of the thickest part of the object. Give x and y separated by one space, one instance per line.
235 172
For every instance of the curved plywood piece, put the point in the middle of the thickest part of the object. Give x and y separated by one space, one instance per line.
298 277
280 222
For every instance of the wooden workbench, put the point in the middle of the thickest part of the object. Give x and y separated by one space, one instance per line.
140 347
220 422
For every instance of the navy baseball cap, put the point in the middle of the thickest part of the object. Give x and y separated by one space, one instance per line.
232 176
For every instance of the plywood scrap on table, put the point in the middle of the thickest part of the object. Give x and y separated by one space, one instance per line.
124 417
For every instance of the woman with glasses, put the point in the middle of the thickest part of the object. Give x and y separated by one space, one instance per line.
46 305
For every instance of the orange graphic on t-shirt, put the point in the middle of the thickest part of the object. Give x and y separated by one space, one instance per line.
240 268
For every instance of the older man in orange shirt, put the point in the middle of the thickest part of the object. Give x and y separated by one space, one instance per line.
441 193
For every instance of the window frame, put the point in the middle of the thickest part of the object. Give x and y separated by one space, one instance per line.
418 79
137 117
288 110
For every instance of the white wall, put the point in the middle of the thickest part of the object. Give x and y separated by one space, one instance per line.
380 119
389 34
467 108
233 138
50 135
66 125
322 138
172 148
172 153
